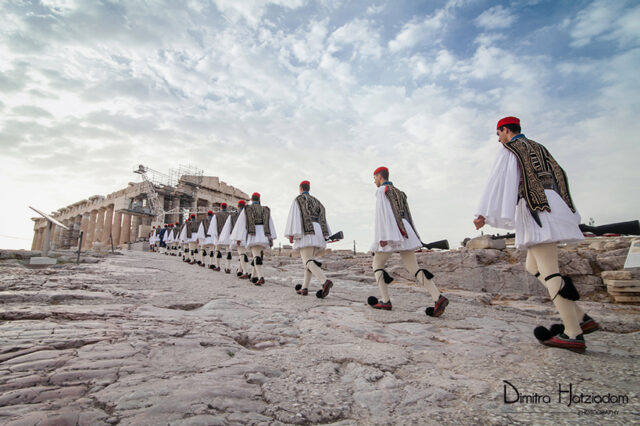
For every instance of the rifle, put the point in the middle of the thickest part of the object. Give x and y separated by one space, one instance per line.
335 237
441 244
505 236
624 228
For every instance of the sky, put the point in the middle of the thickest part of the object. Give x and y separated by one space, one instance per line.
267 93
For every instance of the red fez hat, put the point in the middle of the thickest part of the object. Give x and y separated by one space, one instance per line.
223 205
242 203
210 212
255 194
153 227
508 120
192 215
305 182
380 169
177 223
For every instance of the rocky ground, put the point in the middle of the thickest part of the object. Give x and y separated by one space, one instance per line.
142 338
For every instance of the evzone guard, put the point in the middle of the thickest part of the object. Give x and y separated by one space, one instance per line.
255 226
172 242
152 239
205 241
225 235
395 233
529 191
215 229
307 230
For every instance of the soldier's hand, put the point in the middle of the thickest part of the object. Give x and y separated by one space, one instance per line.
479 222
383 243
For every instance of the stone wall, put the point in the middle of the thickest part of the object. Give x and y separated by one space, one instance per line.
492 270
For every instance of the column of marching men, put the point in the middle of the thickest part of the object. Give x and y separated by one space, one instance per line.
527 191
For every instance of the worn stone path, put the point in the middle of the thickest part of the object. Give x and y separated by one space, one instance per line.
143 338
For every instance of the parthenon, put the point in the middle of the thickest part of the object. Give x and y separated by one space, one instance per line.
125 216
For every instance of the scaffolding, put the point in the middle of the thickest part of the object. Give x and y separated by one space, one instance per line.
186 173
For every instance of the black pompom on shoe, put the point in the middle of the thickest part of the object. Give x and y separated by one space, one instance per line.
319 294
372 300
254 280
556 329
298 287
542 333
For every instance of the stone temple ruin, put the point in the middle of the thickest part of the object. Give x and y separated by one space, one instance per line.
126 216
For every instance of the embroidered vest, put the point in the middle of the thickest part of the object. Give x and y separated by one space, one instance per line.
257 215
538 171
400 207
221 218
206 222
234 218
312 210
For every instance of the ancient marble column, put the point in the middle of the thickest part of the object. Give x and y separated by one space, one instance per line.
97 234
91 229
41 233
117 226
36 232
84 228
75 234
108 224
126 229
135 224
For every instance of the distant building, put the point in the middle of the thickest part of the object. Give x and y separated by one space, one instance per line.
125 215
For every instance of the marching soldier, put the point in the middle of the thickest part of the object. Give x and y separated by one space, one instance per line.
395 233
215 229
227 230
255 225
529 191
307 230
204 240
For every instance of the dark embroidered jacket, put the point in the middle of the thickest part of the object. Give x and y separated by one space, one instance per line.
206 222
192 228
400 207
312 210
538 171
221 218
257 215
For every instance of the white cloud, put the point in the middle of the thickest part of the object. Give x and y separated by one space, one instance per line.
605 19
291 96
419 30
496 17
359 34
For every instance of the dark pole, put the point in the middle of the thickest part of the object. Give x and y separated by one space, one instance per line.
111 239
79 246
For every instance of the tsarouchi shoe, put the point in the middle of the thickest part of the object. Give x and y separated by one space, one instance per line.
589 325
438 308
563 341
260 281
244 277
321 294
376 304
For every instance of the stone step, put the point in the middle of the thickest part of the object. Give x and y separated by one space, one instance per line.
616 275
622 283
627 299
613 290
